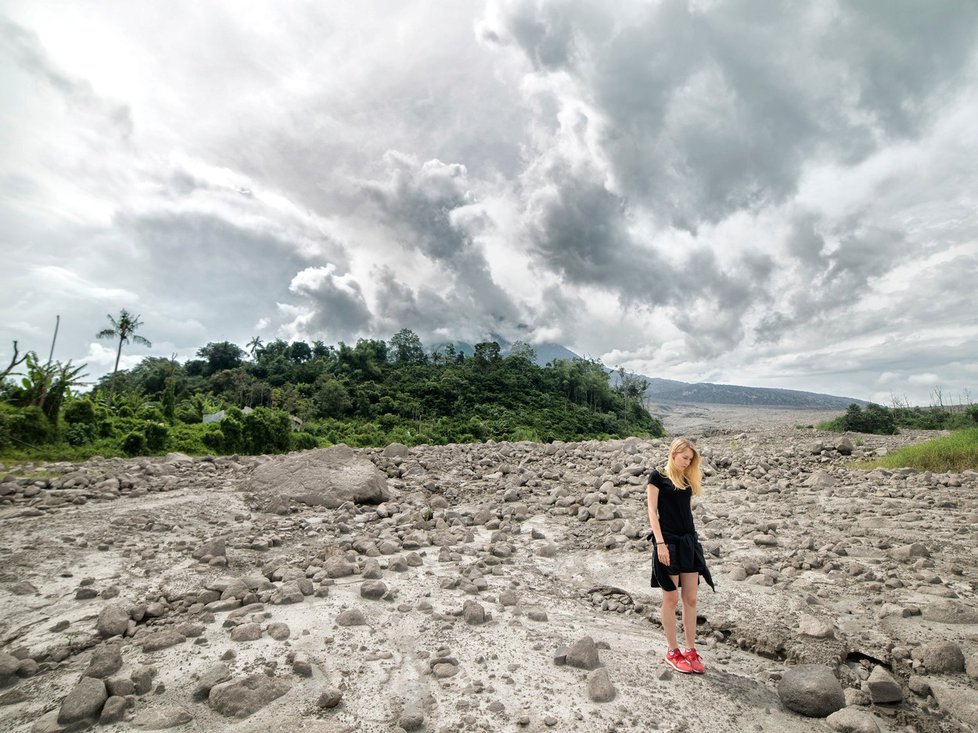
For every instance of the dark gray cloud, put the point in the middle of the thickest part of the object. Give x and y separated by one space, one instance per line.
739 190
430 207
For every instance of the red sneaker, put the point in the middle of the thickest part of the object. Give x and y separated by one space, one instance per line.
676 660
694 660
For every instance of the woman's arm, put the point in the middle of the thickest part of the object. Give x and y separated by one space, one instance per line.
652 494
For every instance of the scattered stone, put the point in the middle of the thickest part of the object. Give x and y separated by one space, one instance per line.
240 698
351 617
812 690
214 676
114 710
817 628
161 640
302 666
162 718
961 703
246 632
473 613
599 687
852 720
939 657
106 660
583 654
882 687
278 631
412 716
84 702
330 698
950 611
373 589
142 678
288 593
113 620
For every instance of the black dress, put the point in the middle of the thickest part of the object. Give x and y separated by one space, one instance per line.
676 521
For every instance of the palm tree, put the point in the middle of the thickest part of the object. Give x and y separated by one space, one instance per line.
255 345
123 329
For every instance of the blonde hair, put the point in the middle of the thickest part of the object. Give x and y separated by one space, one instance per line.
692 476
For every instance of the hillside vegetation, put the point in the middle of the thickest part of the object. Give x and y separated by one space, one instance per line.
284 396
882 420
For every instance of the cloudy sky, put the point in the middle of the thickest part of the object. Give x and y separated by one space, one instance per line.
743 191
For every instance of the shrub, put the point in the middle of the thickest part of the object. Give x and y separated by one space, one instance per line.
302 441
214 440
134 444
155 433
151 413
25 425
266 431
233 431
80 412
80 434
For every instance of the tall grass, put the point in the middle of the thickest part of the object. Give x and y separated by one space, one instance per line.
955 452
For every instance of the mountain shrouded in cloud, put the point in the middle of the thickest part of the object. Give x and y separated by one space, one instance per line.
731 191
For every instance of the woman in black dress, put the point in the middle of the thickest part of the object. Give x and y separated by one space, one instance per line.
678 559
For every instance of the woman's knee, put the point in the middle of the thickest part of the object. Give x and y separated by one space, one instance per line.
670 599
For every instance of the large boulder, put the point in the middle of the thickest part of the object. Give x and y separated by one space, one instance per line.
812 690
240 698
324 477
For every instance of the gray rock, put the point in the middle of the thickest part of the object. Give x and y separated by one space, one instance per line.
909 552
120 686
168 716
351 617
142 678
246 632
817 628
106 660
882 687
599 687
214 676
322 477
950 611
473 613
214 548
337 567
373 589
301 665
161 640
940 656
279 631
114 710
412 716
961 703
240 698
113 620
288 593
852 720
812 690
583 654
330 698
8 667
84 702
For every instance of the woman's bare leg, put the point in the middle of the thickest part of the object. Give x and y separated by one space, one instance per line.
689 586
670 599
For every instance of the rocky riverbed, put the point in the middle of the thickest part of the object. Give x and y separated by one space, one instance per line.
491 587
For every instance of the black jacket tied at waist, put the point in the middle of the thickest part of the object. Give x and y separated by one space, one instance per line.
685 556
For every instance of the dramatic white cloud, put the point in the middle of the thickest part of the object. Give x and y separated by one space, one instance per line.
733 191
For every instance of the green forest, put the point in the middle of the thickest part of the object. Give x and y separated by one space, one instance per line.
281 396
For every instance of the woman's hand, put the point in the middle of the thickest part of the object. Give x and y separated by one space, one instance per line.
662 551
